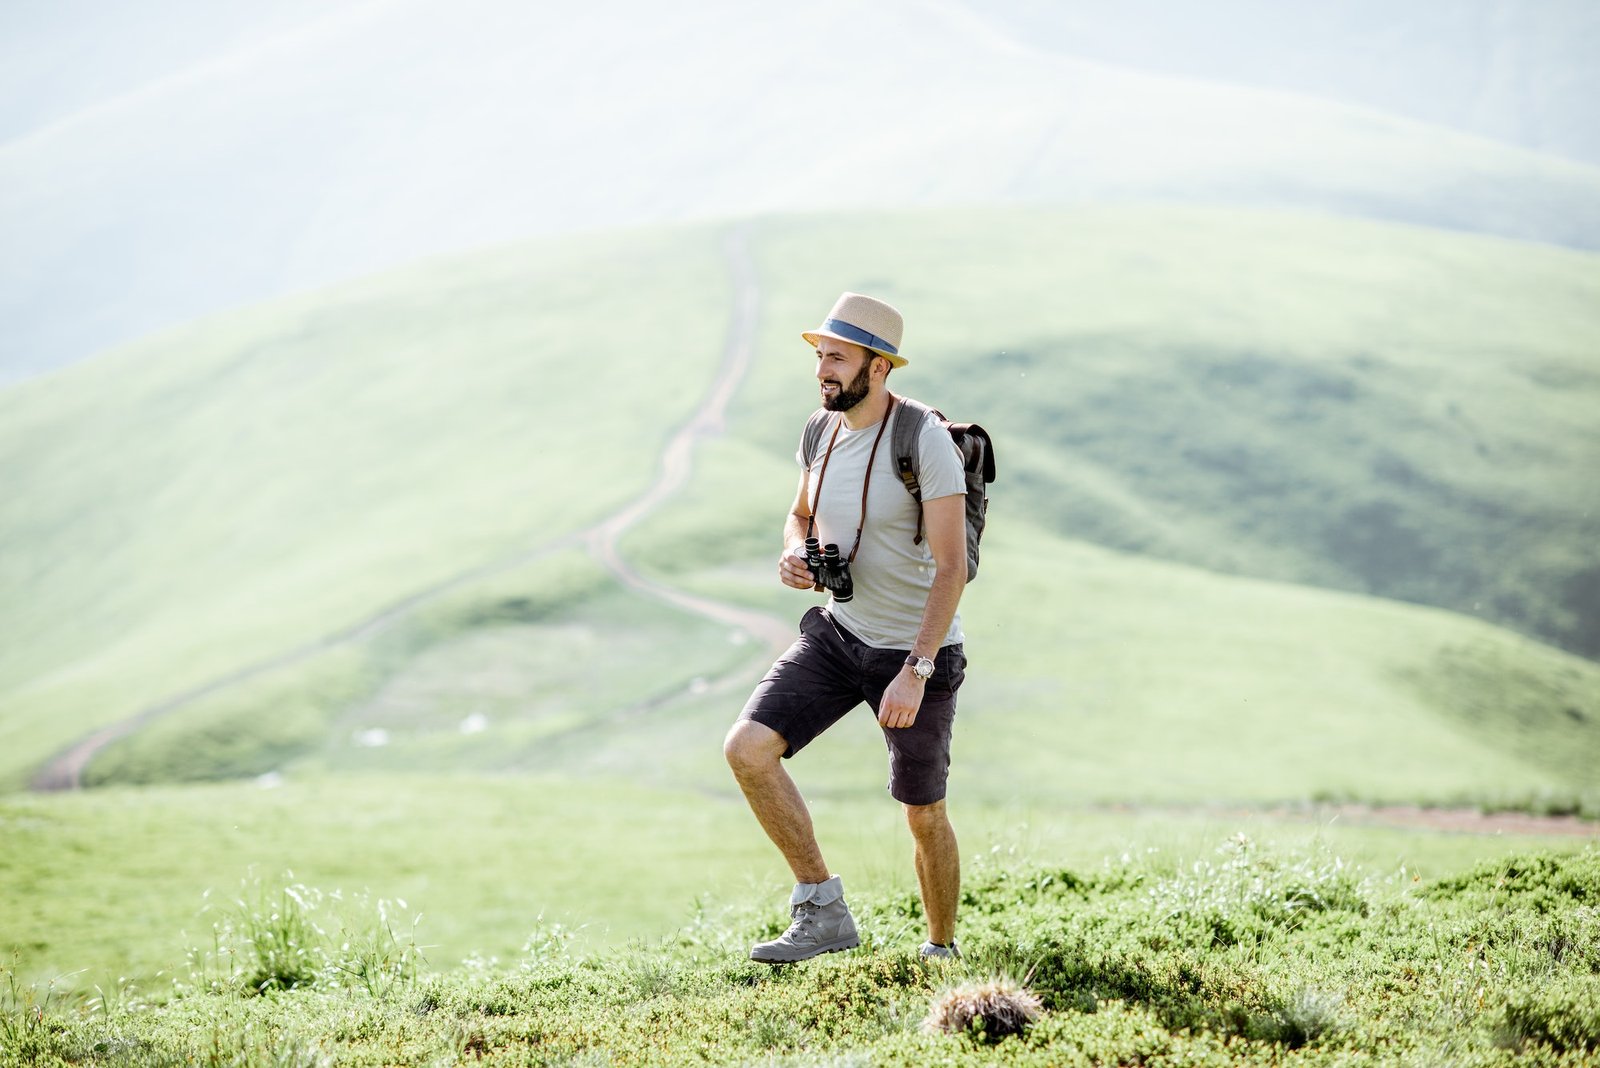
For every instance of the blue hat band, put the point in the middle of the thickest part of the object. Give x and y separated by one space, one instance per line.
859 336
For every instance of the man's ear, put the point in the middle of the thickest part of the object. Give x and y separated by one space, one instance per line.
887 366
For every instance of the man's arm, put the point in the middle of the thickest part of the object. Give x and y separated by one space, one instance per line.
944 520
792 569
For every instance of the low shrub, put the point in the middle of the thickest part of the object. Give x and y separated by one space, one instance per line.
1564 1015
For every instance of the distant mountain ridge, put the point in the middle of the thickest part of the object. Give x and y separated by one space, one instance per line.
329 142
1519 73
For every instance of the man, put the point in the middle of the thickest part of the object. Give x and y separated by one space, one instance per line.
895 644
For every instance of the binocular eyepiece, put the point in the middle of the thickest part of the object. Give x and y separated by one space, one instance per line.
829 571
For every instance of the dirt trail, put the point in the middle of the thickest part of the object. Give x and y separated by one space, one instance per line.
709 421
65 770
1400 817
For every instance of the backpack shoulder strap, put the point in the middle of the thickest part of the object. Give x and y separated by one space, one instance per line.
910 417
909 420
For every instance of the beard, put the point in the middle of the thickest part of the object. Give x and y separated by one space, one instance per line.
853 394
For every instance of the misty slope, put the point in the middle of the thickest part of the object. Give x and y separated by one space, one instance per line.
1518 73
255 482
374 133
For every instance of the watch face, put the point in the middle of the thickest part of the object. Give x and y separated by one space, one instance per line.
923 668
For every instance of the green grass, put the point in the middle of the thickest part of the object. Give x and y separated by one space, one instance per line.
109 883
484 678
1236 951
223 493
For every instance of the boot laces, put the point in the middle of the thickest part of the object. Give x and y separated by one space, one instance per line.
804 916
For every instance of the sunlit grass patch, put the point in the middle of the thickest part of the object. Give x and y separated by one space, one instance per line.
1245 891
282 935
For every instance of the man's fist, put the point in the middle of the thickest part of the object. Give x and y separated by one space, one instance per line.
793 571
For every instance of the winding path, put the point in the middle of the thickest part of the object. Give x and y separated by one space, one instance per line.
677 463
65 770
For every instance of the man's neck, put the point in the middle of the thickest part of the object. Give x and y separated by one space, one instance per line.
872 408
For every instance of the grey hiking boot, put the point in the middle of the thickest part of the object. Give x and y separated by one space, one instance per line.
934 951
822 924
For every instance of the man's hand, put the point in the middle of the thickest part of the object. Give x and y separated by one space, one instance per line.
793 571
901 700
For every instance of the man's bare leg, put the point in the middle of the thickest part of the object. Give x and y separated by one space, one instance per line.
938 868
755 753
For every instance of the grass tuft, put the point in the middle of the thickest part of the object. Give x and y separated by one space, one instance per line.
289 935
28 1028
988 1010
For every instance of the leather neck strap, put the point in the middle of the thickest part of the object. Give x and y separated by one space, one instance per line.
811 520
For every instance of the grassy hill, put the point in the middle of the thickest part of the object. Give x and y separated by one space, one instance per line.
1381 409
366 506
1270 395
1100 678
258 482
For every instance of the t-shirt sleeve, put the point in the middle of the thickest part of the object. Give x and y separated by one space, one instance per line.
940 469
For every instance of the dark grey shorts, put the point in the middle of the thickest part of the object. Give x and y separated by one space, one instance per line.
828 671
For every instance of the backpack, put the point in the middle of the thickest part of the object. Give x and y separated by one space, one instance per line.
972 442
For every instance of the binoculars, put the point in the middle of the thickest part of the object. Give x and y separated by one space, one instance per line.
829 571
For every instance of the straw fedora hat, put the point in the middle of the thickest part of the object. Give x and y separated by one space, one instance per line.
864 321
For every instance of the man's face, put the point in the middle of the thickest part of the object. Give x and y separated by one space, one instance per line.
844 374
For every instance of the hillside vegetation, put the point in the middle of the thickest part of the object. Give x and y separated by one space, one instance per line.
116 883
1276 396
1248 955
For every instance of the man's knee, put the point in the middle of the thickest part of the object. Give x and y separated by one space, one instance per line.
752 747
927 820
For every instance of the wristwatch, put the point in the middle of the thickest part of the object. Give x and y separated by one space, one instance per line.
920 666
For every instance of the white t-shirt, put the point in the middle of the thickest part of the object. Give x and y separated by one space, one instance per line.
892 575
